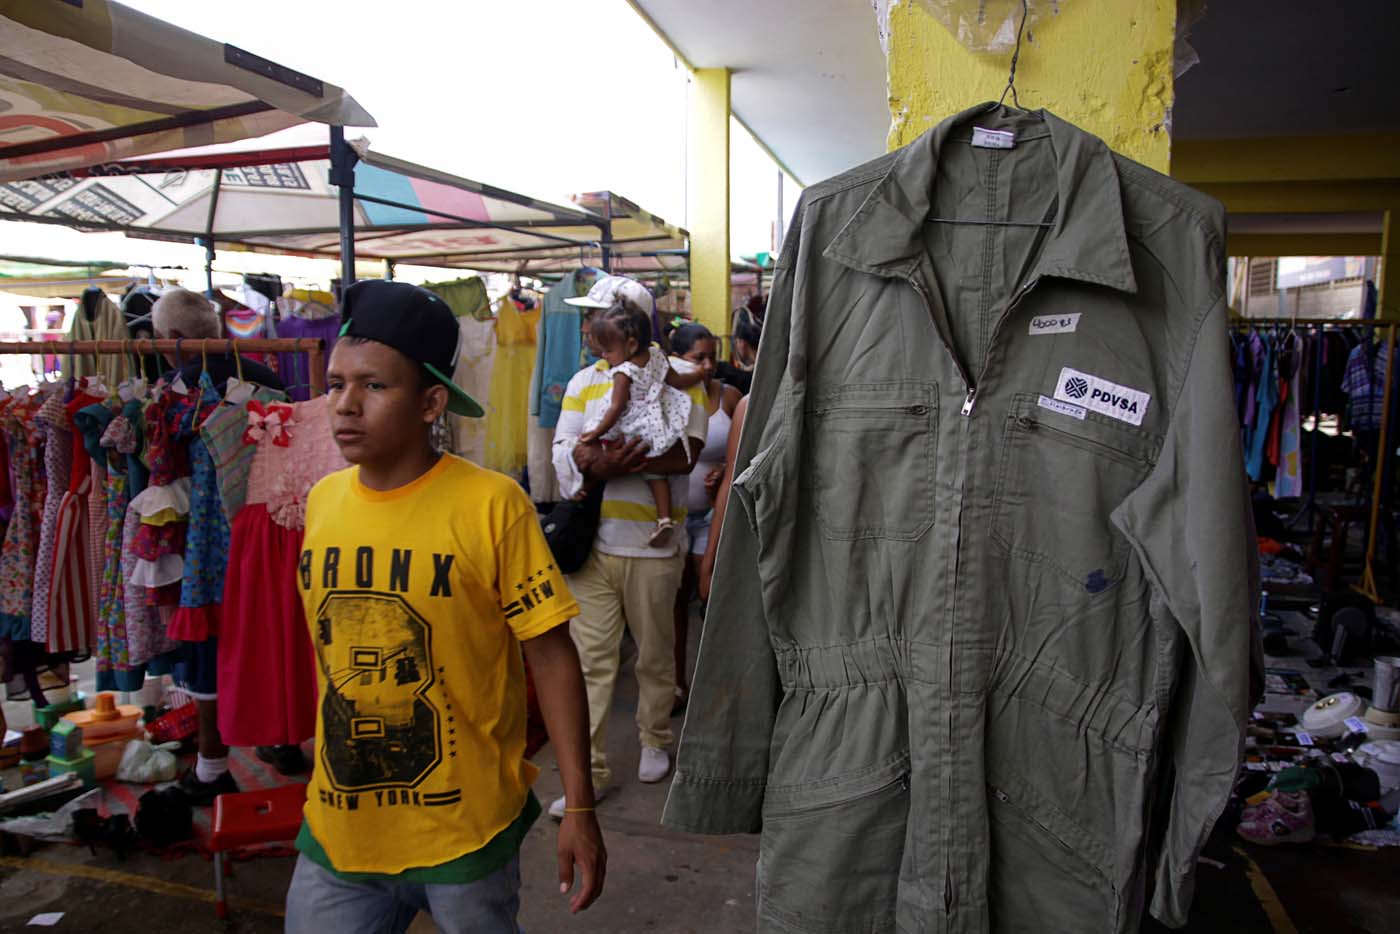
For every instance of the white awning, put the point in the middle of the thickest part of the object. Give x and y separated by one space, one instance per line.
87 82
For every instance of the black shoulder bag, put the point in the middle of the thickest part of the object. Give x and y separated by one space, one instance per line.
570 528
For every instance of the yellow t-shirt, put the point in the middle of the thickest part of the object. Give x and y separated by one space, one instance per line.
417 599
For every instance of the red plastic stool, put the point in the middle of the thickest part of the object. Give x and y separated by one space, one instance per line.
267 816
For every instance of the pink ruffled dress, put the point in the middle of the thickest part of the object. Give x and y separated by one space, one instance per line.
267 667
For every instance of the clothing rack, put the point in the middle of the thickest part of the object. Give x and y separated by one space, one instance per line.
1367 587
314 348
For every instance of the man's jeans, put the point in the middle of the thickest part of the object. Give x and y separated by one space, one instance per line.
318 901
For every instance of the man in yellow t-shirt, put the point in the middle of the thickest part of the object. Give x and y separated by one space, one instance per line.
424 577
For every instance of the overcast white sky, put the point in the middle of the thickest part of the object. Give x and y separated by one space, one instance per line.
546 98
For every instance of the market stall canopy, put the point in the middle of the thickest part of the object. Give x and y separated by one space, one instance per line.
282 201
52 278
85 83
642 245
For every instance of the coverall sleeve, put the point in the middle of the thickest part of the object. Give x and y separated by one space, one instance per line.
1191 524
722 766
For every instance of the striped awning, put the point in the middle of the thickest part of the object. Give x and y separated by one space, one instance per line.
283 201
87 82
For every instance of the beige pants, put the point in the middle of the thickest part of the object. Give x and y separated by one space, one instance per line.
640 594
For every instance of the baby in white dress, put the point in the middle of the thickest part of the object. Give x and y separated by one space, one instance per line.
647 399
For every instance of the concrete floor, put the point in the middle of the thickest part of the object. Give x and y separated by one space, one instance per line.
660 882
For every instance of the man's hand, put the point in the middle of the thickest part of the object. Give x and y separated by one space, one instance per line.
600 463
581 845
558 678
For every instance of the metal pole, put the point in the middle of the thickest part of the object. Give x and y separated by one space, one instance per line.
316 358
1368 576
343 160
208 266
164 345
209 231
607 242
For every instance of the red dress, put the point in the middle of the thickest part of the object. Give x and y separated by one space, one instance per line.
72 603
267 667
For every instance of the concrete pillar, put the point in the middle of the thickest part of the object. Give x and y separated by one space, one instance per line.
708 198
1105 66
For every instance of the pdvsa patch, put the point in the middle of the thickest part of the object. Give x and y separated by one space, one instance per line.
1099 395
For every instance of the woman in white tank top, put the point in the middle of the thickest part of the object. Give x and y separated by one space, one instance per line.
695 343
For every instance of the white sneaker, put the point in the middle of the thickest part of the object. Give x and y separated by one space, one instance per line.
654 765
556 810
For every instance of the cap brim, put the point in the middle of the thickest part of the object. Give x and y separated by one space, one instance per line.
586 302
458 402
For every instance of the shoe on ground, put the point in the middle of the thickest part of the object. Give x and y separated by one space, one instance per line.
1290 820
665 528
556 810
202 794
655 765
287 760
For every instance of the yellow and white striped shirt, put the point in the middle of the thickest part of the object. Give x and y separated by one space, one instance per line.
629 511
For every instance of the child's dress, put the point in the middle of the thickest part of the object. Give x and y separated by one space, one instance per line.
267 668
58 469
22 534
655 412
72 600
206 536
146 639
164 506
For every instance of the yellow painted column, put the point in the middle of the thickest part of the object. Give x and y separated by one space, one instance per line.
1388 277
1104 65
708 198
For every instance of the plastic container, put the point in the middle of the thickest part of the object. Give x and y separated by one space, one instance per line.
107 753
1382 724
106 719
1327 718
63 693
84 765
48 717
1383 757
32 773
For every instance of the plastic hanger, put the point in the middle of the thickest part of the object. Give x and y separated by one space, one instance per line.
178 383
236 391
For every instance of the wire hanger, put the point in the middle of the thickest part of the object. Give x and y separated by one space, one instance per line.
1015 101
1015 57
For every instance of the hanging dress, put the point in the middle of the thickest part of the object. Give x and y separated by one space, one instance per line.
164 506
206 536
267 668
222 433
21 544
476 358
508 408
146 640
58 468
72 602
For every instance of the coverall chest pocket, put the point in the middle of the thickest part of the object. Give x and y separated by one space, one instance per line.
1060 479
871 459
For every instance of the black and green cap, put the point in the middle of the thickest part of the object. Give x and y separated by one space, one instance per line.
416 323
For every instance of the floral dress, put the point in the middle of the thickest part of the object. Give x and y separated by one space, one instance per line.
164 506
21 543
207 534
58 469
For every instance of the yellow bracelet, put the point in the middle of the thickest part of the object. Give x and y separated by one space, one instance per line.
577 810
